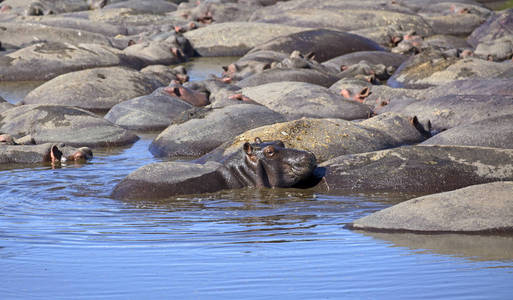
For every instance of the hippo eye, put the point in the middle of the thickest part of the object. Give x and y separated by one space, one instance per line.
269 151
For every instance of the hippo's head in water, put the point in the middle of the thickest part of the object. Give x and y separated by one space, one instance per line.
270 164
79 155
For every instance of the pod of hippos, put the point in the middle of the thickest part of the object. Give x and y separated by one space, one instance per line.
336 97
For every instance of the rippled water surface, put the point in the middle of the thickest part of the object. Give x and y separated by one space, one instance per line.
63 237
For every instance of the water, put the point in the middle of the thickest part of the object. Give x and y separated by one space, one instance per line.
63 237
15 91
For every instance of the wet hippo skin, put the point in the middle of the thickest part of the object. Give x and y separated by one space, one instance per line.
259 164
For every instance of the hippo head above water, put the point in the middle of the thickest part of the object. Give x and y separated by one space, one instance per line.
270 164
77 155
259 164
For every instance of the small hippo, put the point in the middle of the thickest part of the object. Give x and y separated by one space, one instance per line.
53 153
188 95
79 155
269 164
259 164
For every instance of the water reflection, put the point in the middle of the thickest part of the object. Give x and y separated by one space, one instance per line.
260 215
201 68
14 91
475 247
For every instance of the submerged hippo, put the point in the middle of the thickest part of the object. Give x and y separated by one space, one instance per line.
188 95
269 164
53 153
259 164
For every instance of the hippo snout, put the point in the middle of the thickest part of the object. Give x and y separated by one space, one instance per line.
303 164
308 159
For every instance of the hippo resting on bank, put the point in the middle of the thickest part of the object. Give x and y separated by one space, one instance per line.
483 208
53 153
260 164
423 169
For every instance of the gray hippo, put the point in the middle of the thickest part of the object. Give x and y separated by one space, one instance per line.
482 208
259 164
269 164
43 153
423 169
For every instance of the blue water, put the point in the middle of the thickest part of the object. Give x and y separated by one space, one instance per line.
63 237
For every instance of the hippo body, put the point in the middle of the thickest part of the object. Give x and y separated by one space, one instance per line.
371 57
197 136
423 169
323 43
63 124
475 209
495 132
497 26
297 75
259 164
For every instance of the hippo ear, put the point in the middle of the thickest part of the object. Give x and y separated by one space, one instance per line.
247 148
258 140
413 121
280 143
55 154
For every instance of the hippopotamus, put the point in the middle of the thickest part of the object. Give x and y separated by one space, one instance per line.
306 69
80 154
52 153
43 7
269 164
323 44
419 169
188 95
259 164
